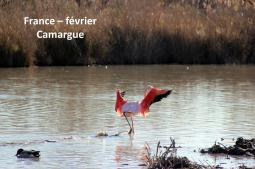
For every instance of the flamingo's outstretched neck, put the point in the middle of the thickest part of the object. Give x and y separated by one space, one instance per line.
120 101
152 95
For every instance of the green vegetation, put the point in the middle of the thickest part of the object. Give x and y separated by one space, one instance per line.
130 32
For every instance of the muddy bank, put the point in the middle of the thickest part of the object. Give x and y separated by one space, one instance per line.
241 147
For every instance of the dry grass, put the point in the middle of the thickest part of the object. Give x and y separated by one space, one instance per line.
166 158
131 32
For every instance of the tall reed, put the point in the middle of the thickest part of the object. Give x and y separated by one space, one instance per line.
130 32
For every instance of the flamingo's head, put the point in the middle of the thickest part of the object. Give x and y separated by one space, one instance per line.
119 92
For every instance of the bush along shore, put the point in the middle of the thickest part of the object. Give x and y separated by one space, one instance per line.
130 32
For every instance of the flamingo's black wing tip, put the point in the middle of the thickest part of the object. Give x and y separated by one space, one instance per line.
161 96
169 92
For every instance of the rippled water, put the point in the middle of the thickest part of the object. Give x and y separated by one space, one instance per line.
71 104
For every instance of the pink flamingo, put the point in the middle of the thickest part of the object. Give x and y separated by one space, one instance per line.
130 109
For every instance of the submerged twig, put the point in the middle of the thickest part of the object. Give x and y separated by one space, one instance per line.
157 149
117 134
222 145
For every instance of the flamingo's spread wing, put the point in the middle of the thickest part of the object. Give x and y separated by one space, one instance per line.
120 101
147 90
161 94
152 95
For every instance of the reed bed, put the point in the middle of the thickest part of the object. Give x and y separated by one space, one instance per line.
130 32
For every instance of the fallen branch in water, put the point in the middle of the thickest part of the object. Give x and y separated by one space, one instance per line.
117 134
242 147
105 134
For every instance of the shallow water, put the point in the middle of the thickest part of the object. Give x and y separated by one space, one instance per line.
71 104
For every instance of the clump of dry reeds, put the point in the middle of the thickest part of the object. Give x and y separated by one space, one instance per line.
130 32
165 157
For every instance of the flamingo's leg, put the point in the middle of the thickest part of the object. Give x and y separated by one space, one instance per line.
133 129
130 130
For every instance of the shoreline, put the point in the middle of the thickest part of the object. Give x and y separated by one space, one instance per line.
187 66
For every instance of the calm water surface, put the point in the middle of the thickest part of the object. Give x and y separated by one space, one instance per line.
71 104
